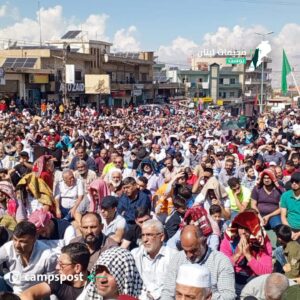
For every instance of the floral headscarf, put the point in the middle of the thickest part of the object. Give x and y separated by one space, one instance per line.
121 265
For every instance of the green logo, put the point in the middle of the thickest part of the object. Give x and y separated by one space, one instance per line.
236 60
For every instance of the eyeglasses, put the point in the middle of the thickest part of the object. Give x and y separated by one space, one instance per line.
62 265
150 235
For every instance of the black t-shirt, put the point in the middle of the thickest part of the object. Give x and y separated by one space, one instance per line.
65 290
133 234
21 171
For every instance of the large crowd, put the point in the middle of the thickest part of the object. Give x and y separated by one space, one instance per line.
148 203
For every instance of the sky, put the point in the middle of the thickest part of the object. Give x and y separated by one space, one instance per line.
174 29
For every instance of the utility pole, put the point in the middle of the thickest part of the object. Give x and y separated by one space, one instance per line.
65 100
40 24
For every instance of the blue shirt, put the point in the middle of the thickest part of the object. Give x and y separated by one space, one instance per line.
127 207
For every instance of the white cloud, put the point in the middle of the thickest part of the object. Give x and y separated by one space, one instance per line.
179 50
54 25
125 40
95 25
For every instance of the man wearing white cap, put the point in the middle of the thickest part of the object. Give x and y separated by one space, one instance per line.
193 282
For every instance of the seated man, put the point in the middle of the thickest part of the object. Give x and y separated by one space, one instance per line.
73 262
53 232
113 224
195 251
152 257
25 258
68 196
132 237
131 200
193 282
93 238
268 286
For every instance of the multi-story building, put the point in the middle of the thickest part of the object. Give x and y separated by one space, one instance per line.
38 72
236 81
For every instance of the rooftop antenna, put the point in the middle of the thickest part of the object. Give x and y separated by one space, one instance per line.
40 24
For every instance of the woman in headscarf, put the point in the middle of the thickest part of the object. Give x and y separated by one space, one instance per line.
248 247
265 199
43 168
35 193
11 209
97 191
114 275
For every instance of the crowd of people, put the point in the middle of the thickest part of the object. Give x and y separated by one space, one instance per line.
163 204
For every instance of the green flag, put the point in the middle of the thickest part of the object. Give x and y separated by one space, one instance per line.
286 70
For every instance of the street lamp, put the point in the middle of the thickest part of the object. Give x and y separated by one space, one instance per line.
263 35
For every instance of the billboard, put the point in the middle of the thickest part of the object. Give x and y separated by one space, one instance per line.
97 84
70 74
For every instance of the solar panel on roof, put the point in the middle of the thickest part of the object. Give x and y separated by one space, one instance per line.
71 34
19 62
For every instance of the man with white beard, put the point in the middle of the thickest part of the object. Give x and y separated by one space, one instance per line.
114 180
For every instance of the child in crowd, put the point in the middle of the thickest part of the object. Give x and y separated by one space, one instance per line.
174 219
215 212
288 254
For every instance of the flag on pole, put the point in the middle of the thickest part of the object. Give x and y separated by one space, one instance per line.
261 51
286 70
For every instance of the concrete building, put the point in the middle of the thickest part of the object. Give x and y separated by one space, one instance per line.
236 81
131 74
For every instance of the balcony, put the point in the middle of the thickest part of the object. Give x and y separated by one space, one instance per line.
230 86
258 70
256 81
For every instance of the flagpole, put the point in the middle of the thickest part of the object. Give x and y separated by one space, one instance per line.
296 85
261 88
261 109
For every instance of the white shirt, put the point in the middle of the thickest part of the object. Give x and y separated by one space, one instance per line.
153 271
68 195
42 261
117 223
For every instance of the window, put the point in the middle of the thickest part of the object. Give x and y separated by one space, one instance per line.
144 77
232 80
220 94
231 94
221 80
78 76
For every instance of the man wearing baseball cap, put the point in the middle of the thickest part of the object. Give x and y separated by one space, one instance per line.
193 282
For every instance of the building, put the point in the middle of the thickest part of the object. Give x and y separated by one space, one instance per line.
38 73
163 86
235 80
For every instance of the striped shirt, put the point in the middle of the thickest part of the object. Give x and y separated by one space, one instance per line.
220 267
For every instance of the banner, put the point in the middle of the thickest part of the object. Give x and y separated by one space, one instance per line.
70 74
97 84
